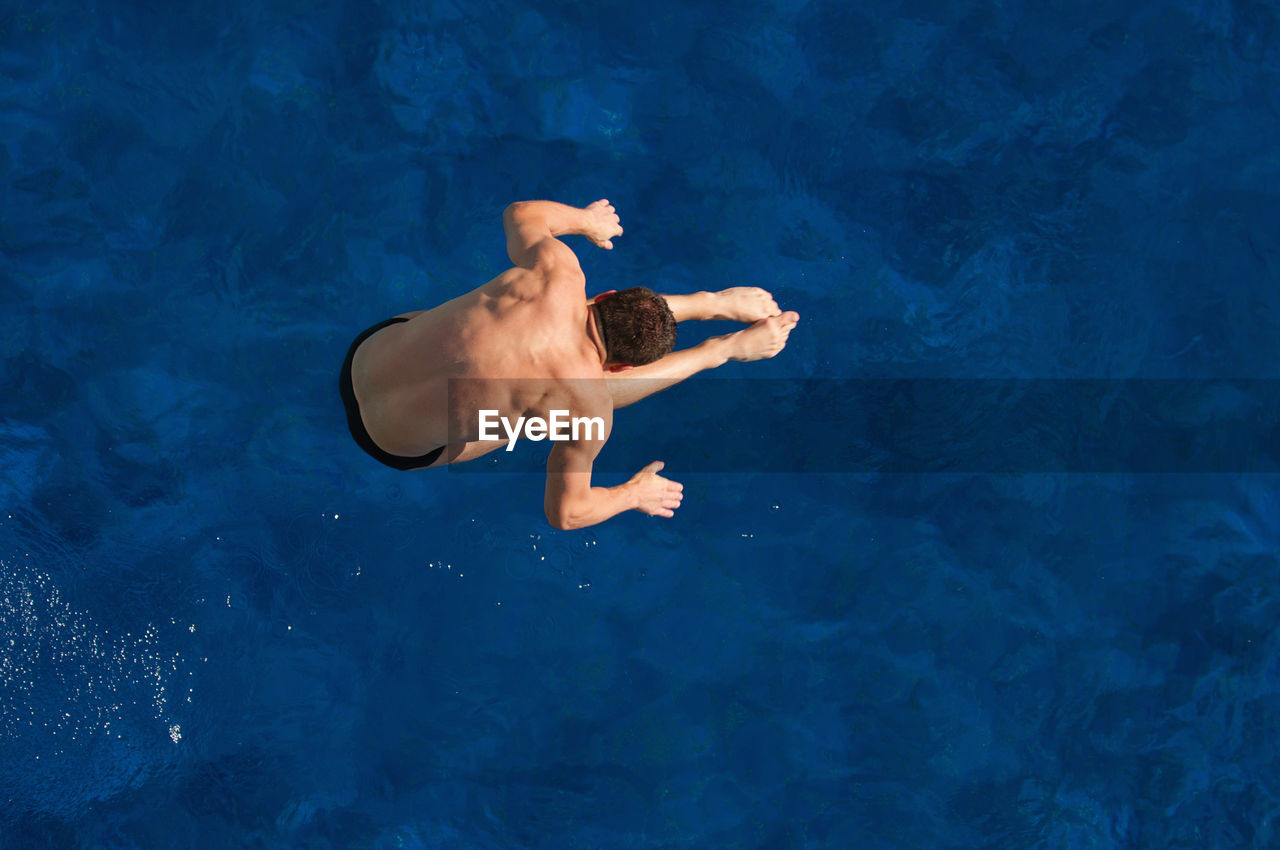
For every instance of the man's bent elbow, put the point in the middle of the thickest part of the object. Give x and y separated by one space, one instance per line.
511 210
570 514
563 521
560 517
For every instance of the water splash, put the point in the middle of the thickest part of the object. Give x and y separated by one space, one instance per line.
84 711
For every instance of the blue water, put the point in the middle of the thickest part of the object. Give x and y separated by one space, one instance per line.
222 625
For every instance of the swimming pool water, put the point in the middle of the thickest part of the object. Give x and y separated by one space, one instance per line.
222 625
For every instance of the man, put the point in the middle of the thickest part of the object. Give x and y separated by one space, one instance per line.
529 342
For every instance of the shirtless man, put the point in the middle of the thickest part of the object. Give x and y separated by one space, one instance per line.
528 342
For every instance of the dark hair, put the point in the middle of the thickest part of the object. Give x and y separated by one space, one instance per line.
636 326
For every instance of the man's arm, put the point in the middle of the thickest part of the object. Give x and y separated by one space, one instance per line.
532 228
572 502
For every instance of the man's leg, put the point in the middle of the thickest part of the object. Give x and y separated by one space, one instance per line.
630 386
764 338
737 304
697 306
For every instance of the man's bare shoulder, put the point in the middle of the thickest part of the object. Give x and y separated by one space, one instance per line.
582 386
545 280
554 258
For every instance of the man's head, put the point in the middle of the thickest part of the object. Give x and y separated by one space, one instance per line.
635 325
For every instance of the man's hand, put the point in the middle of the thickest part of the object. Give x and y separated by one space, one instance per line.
655 495
743 304
600 224
763 339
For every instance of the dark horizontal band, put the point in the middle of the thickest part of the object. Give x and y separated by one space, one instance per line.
939 426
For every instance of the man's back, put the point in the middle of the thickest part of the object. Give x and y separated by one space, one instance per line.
511 340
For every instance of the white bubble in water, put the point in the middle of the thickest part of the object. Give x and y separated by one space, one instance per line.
90 702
